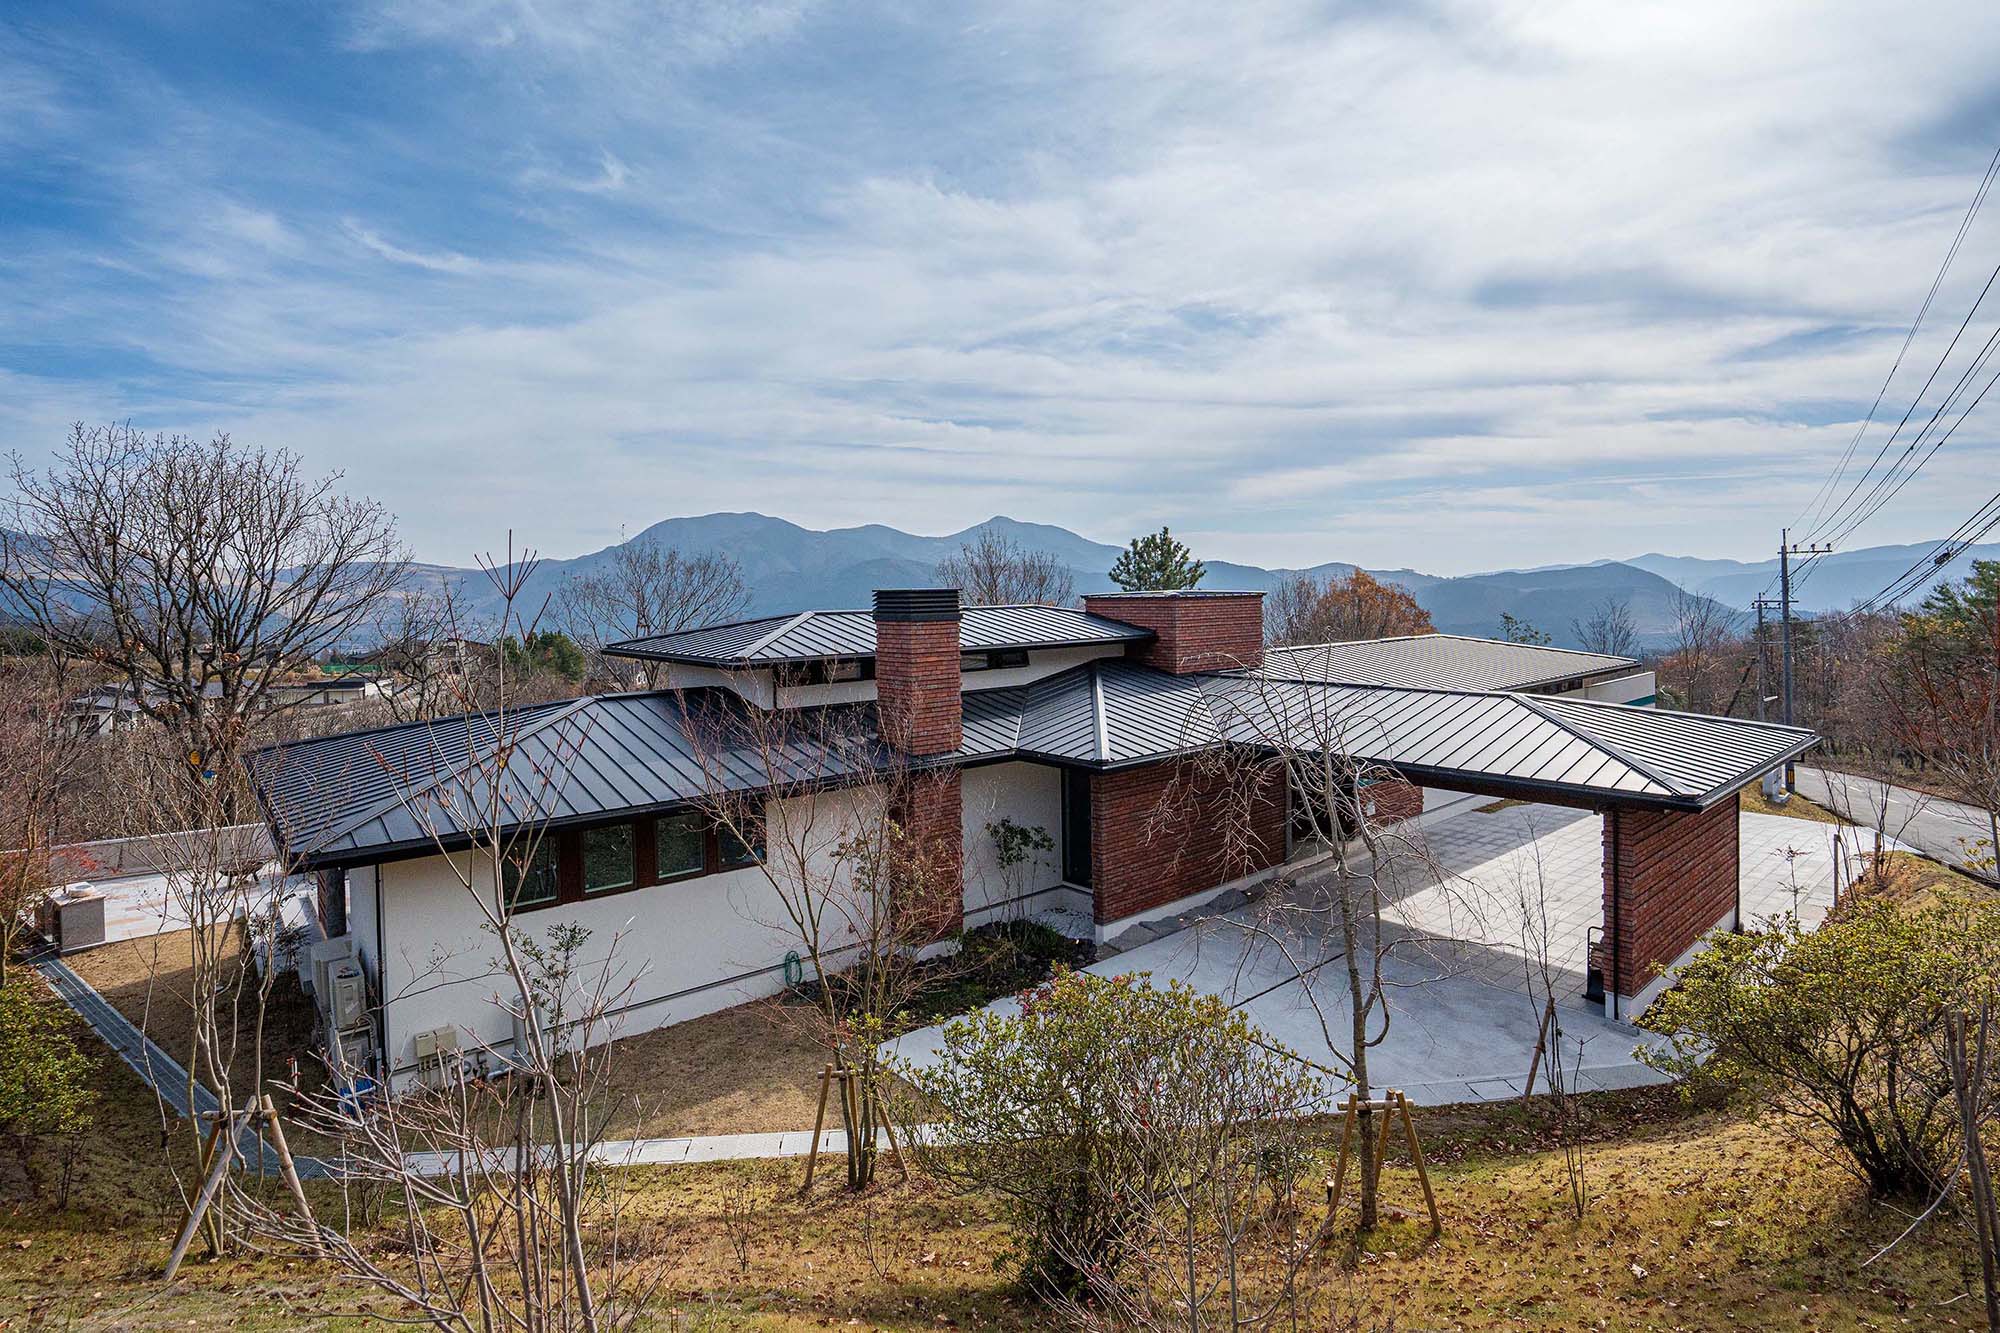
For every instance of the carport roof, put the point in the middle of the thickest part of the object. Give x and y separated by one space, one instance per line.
1441 662
364 796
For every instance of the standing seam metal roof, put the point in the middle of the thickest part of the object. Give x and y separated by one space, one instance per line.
341 799
1440 661
810 636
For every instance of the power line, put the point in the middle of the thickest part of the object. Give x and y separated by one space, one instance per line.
1967 534
1832 483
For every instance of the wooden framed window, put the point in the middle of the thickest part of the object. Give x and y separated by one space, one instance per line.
607 859
571 866
538 882
680 846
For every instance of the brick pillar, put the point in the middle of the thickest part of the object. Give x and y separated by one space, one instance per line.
922 714
916 669
929 868
1193 631
1669 879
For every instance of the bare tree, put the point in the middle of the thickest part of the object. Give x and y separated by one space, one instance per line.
834 820
506 1222
39 760
197 573
1300 741
992 570
646 588
428 664
1608 628
1706 642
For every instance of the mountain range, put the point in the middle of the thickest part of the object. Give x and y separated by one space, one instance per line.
787 567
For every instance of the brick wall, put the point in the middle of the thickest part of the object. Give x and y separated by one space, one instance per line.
1672 878
916 673
1198 631
1396 799
1132 872
929 869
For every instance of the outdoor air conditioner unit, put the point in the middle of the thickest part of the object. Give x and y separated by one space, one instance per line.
72 917
347 1001
327 957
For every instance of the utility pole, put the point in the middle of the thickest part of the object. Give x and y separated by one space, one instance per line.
1785 553
1773 784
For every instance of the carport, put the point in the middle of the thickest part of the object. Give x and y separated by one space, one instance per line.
1665 783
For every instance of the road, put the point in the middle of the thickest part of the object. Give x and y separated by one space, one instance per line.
1938 827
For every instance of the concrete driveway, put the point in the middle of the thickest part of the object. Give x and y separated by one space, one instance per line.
1463 1016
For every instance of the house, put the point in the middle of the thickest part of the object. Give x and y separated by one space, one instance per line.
1074 721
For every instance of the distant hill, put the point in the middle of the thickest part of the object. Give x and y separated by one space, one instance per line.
1828 583
789 567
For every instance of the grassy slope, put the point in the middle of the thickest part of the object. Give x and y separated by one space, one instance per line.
1734 1224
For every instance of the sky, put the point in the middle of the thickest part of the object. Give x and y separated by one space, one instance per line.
1446 286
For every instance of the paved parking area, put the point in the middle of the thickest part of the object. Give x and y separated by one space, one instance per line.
1518 883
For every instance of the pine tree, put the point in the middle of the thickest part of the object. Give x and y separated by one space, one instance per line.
1157 563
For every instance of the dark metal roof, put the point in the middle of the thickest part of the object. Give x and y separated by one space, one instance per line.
811 636
1441 662
366 795
401 790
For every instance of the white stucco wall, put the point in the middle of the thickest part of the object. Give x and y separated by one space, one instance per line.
1028 794
675 951
1621 690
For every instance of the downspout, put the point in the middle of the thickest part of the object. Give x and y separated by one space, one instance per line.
1612 931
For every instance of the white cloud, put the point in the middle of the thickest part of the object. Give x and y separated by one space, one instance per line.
1504 277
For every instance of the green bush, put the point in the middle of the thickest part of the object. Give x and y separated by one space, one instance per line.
44 1079
1841 1027
1102 1098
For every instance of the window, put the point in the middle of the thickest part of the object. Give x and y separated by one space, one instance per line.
681 845
537 882
732 852
607 859
1000 657
830 672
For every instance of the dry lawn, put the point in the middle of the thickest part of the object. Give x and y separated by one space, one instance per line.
745 1070
1700 1219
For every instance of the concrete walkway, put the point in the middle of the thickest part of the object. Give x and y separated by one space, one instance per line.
1938 828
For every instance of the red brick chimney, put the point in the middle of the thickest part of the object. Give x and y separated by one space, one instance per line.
1197 631
916 669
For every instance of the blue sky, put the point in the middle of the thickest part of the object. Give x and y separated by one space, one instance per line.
1450 286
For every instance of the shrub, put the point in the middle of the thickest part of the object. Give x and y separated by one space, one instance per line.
1841 1027
1102 1102
44 1079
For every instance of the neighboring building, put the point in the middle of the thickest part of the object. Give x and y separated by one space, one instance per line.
1073 721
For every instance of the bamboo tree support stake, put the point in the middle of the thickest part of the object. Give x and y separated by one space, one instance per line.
1417 1156
1395 1108
289 1169
1541 1044
889 1131
819 1125
225 1150
213 1233
1333 1186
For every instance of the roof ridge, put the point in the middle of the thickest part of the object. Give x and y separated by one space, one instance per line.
1717 717
397 798
759 645
1530 703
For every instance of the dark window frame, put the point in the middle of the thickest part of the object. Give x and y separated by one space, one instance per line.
995 659
568 847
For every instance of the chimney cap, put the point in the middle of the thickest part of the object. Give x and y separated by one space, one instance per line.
916 604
